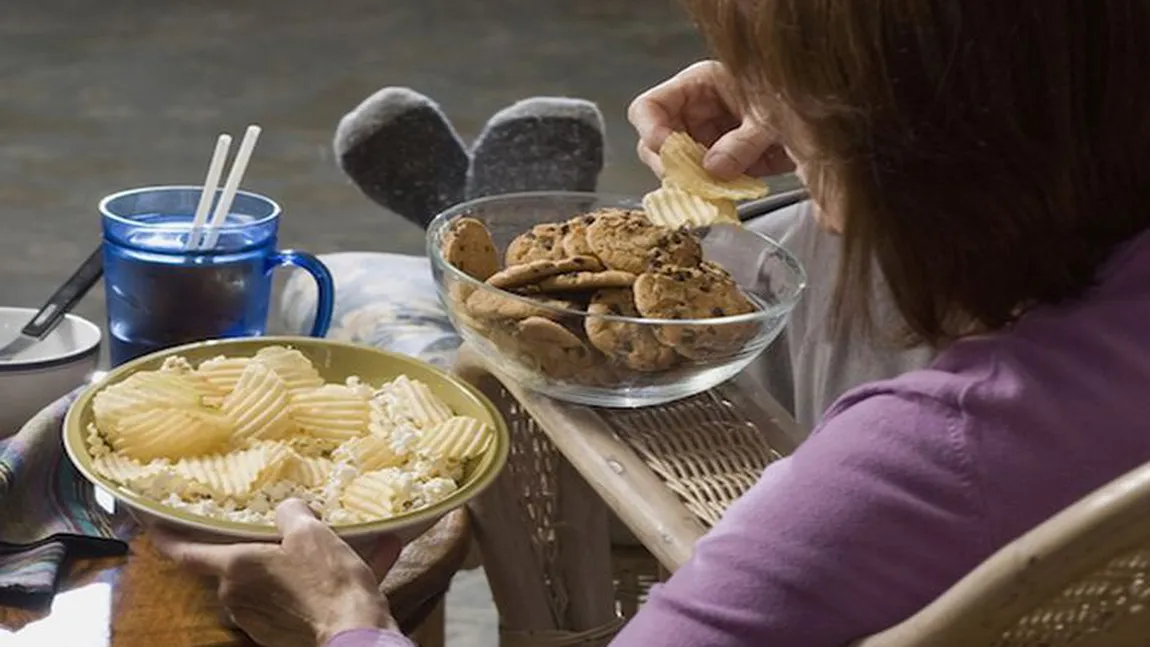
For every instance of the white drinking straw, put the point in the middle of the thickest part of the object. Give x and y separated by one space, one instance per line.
215 169
239 167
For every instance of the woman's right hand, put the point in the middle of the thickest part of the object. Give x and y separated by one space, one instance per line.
303 591
697 101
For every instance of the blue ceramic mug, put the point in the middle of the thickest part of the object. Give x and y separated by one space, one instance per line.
162 293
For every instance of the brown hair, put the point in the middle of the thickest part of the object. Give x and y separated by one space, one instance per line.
989 156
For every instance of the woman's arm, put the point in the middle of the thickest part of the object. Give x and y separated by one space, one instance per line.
866 523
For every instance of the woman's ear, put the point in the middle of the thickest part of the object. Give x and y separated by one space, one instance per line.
538 144
400 150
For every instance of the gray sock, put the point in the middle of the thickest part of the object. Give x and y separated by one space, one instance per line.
538 144
402 152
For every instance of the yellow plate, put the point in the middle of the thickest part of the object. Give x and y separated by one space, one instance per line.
335 361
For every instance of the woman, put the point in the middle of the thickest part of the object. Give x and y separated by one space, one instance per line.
993 161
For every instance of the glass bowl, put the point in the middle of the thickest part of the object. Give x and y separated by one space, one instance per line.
766 273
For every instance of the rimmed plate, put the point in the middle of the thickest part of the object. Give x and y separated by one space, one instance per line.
335 361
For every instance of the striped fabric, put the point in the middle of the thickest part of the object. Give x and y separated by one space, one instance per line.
48 512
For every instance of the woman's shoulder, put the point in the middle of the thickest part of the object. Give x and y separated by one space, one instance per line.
925 393
915 422
925 426
943 412
1027 423
959 381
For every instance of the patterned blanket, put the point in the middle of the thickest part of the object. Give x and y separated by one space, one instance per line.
383 300
48 512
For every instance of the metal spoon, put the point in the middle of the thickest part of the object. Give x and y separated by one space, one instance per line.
774 202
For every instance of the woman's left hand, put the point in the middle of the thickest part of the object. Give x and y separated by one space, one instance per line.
301 592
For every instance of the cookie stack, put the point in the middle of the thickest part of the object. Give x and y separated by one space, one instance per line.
563 291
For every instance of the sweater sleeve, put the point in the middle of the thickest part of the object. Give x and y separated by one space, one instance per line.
873 517
369 638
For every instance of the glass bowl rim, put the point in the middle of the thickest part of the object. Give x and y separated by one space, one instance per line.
782 307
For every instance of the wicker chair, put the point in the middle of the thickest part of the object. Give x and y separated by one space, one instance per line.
1080 579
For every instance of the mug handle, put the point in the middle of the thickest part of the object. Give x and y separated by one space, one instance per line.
326 298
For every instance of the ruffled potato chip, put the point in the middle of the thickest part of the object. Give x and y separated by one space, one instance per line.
258 406
309 471
117 467
296 371
411 402
238 474
332 412
141 392
682 159
168 432
673 207
457 439
372 453
374 495
223 373
212 393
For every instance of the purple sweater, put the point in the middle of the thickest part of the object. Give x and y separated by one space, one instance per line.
909 483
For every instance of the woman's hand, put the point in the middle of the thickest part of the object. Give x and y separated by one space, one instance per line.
301 592
697 100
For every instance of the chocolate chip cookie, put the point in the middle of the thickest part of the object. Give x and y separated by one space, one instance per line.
574 239
541 243
467 245
703 292
625 240
676 247
493 306
554 350
633 345
535 271
583 281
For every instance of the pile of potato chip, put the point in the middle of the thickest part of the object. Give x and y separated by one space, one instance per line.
692 197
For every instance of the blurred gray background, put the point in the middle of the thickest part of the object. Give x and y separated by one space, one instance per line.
100 95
